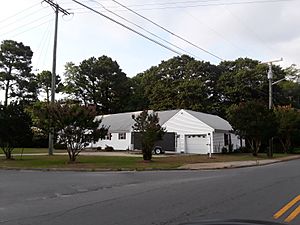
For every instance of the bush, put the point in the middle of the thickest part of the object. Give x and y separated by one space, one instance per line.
224 150
108 148
243 150
60 146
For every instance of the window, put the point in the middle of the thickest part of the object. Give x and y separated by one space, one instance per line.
122 136
226 139
107 137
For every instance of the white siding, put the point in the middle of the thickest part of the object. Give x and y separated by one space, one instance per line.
236 142
115 142
183 124
218 141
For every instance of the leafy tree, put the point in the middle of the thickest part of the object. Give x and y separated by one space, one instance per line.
98 81
289 124
136 100
16 78
75 125
44 80
291 91
252 121
181 82
246 80
147 124
293 73
15 128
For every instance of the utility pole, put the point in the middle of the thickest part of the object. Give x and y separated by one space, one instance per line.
57 9
270 78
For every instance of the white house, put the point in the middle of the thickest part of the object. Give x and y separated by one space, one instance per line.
193 132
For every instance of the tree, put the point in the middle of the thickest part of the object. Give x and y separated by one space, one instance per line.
289 124
15 128
98 81
293 73
147 124
291 91
246 80
252 121
16 78
181 82
74 125
44 80
136 100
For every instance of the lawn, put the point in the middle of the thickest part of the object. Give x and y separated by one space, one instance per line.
119 162
33 150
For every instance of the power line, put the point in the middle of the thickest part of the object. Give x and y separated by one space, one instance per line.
32 28
21 18
23 25
216 32
196 5
170 32
218 4
128 28
45 40
249 30
20 12
149 32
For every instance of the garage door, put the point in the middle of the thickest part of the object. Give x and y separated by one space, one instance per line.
196 144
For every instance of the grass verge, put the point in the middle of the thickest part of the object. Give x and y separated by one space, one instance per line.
33 150
119 162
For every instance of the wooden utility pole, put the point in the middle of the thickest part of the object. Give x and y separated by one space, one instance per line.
57 10
270 78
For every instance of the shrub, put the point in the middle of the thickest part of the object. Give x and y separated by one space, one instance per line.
108 148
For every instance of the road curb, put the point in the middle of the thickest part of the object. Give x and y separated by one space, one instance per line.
194 166
236 164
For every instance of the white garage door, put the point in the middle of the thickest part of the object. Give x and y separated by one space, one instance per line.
196 144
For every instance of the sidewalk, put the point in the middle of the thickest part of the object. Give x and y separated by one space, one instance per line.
236 164
126 154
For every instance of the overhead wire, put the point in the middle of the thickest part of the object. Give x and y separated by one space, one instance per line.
20 12
31 28
23 25
216 32
249 30
44 42
198 5
167 30
149 32
21 18
128 28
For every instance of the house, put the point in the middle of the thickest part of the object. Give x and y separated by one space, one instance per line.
187 132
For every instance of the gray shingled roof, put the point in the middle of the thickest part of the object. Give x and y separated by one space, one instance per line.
123 122
213 121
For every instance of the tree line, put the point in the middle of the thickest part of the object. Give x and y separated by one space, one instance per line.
227 89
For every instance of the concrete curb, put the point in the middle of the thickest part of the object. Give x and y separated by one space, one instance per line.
194 166
236 164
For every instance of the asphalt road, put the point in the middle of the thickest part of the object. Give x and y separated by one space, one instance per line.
137 198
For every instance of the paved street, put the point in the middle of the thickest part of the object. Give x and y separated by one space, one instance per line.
164 197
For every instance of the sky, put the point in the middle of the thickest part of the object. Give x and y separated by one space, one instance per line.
259 29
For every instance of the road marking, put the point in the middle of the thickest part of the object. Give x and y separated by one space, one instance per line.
293 215
285 208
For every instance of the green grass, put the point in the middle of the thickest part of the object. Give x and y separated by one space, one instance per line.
33 150
119 162
296 150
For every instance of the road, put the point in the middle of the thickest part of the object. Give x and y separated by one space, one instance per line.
162 197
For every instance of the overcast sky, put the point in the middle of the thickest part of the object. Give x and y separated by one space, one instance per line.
258 29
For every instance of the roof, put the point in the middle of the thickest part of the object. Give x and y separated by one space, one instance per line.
213 121
123 122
